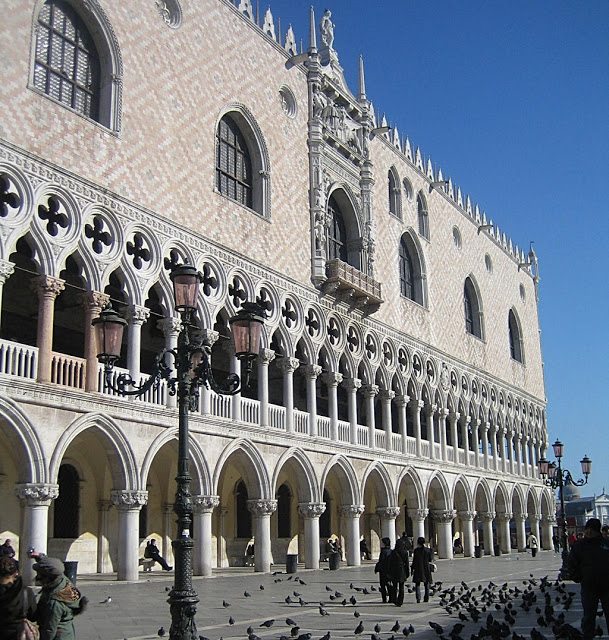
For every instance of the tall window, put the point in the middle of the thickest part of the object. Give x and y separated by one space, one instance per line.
67 65
242 513
406 271
422 216
67 503
284 512
411 270
337 234
393 185
233 163
516 350
471 309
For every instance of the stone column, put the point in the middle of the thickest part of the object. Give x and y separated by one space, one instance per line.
521 537
35 500
47 288
442 413
510 437
547 528
485 427
431 430
534 519
6 269
487 520
388 516
476 441
401 402
536 459
453 419
203 507
128 504
235 367
310 512
170 328
136 316
103 506
209 338
351 514
261 511
311 372
519 454
93 303
417 405
504 532
352 385
443 520
287 366
166 549
494 446
504 454
418 522
332 380
386 396
222 559
465 436
467 523
370 391
265 357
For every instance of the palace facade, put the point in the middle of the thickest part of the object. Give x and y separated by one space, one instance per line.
400 383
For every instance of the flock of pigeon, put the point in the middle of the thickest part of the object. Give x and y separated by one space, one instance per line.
490 612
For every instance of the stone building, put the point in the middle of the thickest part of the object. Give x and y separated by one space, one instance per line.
400 383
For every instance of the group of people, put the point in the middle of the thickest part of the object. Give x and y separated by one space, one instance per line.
394 568
49 618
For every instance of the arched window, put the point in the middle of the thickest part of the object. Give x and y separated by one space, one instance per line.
284 512
243 516
516 346
422 216
233 163
411 270
66 65
393 185
337 233
67 504
471 309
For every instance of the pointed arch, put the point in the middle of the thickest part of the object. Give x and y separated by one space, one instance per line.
350 488
462 486
256 473
386 495
437 477
422 215
472 308
305 474
344 227
413 277
414 489
394 193
515 337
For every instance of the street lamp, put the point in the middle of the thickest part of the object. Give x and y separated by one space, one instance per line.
192 369
556 477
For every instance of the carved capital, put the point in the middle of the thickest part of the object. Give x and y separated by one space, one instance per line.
95 301
520 517
352 510
170 326
387 394
505 516
104 505
34 494
311 509
466 516
548 518
6 269
266 356
209 337
370 390
311 371
48 287
535 516
486 516
332 378
125 499
454 416
137 314
402 400
444 516
352 383
204 504
262 507
288 365
389 513
418 515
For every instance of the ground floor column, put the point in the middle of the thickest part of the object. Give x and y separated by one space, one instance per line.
487 524
534 519
521 531
203 507
388 517
35 499
103 506
351 514
547 529
467 525
418 523
261 511
443 520
310 512
221 556
128 504
504 532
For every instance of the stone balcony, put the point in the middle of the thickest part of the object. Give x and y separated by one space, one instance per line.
352 285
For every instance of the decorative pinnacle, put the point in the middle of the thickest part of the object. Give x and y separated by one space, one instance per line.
312 34
362 80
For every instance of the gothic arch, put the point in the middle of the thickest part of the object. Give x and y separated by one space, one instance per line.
308 487
414 488
437 478
383 487
462 486
255 473
350 486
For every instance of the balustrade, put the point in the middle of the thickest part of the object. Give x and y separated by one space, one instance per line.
20 360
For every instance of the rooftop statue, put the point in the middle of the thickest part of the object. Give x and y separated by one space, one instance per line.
327 29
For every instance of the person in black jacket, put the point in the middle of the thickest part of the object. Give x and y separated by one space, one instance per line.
399 570
421 572
382 568
152 551
17 602
588 564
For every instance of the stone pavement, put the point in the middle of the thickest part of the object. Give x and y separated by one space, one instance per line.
139 609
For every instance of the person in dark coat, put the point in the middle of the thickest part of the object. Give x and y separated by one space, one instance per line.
399 571
6 549
382 568
17 602
421 572
152 551
588 564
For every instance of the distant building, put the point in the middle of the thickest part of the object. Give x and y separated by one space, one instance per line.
578 509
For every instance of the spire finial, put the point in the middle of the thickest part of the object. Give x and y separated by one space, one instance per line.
312 34
362 79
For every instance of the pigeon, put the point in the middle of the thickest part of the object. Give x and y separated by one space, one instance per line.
304 636
352 600
326 636
322 611
161 632
225 604
301 581
268 623
294 631
396 626
302 603
356 613
249 630
247 594
167 588
231 620
359 628
108 600
253 636
261 587
377 628
290 622
296 594
288 600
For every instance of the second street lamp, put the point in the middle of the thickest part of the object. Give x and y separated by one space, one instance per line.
191 369
556 477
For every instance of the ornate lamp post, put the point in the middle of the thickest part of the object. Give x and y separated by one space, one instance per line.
192 365
556 477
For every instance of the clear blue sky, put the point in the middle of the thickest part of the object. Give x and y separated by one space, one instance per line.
511 99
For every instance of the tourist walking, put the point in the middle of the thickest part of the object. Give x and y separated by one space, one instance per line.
382 568
399 571
421 569
532 544
588 564
17 602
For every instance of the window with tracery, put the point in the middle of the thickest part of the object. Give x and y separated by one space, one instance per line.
406 271
233 163
66 65
337 233
423 217
411 270
515 337
471 309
